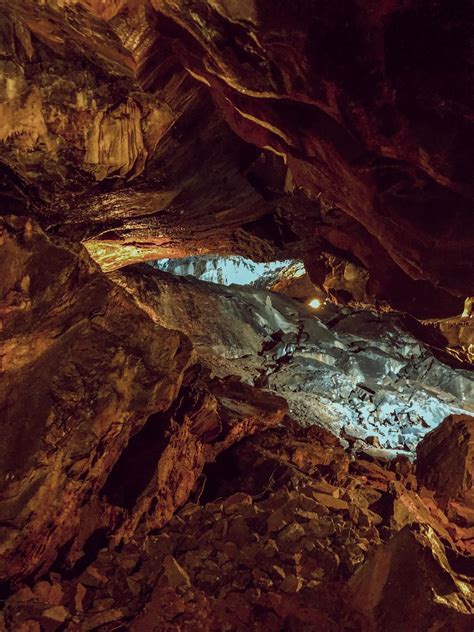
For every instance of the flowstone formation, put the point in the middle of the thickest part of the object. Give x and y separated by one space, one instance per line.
337 133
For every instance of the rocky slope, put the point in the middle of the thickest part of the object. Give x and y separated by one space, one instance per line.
286 277
176 455
354 372
450 339
224 270
335 133
310 540
141 492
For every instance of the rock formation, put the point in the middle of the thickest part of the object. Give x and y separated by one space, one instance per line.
87 380
349 139
354 371
310 541
179 455
112 424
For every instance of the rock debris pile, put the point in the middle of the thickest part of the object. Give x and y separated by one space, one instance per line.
313 540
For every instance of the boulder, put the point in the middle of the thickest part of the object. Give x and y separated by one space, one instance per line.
445 461
410 584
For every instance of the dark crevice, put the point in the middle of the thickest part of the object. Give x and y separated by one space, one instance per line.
224 469
135 468
94 543
60 563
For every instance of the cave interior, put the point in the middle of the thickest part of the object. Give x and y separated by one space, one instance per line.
236 316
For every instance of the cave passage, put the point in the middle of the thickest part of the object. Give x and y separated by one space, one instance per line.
236 316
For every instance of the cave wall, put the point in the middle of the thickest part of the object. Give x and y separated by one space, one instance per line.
93 389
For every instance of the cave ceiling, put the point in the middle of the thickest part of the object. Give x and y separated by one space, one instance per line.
164 128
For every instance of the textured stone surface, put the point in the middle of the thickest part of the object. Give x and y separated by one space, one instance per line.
168 456
353 149
82 370
351 95
105 157
415 558
284 531
354 371
91 390
140 491
445 461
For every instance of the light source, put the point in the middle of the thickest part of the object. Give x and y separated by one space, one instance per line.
314 303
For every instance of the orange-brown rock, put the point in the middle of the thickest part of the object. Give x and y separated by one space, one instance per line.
350 95
354 137
168 455
300 547
410 582
445 460
142 489
82 369
87 385
445 466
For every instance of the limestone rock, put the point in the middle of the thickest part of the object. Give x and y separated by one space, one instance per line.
325 569
175 574
344 149
445 460
354 372
57 613
83 368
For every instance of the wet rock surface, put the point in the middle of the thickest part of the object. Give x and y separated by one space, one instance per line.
358 373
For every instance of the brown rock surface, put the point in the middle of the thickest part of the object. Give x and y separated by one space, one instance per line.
142 489
445 466
82 368
350 95
356 119
410 582
445 460
88 382
168 455
454 334
300 545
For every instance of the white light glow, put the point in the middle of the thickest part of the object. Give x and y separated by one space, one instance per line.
314 303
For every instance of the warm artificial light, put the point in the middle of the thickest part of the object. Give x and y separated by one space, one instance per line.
315 303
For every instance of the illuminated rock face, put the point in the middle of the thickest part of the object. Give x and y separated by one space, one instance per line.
351 371
349 136
148 485
131 477
450 477
74 388
227 270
